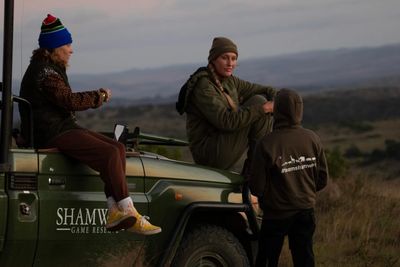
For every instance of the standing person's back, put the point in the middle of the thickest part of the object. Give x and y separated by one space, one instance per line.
288 168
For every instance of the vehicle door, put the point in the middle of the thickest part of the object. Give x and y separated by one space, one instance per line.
73 213
19 209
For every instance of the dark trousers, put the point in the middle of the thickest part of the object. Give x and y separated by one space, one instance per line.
300 230
100 153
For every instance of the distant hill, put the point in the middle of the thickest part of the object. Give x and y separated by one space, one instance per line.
352 105
308 71
318 70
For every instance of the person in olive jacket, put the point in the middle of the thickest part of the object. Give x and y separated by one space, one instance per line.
224 113
53 104
288 168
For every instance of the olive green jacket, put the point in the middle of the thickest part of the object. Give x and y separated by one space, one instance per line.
208 112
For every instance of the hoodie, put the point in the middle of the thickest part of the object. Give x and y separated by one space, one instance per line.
289 164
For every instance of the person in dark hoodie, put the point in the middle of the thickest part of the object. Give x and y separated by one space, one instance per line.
225 115
288 168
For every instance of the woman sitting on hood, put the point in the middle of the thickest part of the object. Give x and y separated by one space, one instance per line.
225 115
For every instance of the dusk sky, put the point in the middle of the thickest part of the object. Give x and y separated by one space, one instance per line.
111 36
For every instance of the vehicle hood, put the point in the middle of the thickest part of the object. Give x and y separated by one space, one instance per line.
170 169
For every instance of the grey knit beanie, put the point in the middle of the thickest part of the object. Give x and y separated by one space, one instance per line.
221 45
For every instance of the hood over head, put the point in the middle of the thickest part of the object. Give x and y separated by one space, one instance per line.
288 108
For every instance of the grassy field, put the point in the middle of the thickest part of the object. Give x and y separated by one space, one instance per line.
358 214
366 135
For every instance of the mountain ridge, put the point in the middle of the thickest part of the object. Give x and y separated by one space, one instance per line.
312 71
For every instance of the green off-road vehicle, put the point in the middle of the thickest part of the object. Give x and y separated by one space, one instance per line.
53 208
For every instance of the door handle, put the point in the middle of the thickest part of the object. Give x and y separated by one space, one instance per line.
57 181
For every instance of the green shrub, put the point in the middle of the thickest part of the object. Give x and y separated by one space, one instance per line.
353 152
357 126
392 149
336 163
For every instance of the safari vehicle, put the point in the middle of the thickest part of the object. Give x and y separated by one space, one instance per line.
53 208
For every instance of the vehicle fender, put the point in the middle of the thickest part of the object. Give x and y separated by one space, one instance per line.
173 244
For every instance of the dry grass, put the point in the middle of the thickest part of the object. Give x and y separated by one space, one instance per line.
358 223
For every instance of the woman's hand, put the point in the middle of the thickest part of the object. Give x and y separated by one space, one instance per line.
106 94
268 106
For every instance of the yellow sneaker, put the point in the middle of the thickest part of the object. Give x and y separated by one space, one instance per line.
143 226
118 220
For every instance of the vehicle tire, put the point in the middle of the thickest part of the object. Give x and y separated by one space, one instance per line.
210 245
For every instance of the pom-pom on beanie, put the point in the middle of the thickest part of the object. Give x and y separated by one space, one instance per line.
53 34
221 45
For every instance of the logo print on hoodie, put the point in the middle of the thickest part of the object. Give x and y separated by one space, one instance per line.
301 163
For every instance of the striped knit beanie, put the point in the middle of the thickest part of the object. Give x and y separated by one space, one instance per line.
53 34
221 45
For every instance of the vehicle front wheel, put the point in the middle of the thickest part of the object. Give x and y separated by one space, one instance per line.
210 245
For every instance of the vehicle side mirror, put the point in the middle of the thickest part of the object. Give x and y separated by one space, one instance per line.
121 133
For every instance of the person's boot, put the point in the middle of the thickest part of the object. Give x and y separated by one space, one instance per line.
142 225
119 220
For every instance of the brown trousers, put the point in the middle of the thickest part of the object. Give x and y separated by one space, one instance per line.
100 153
